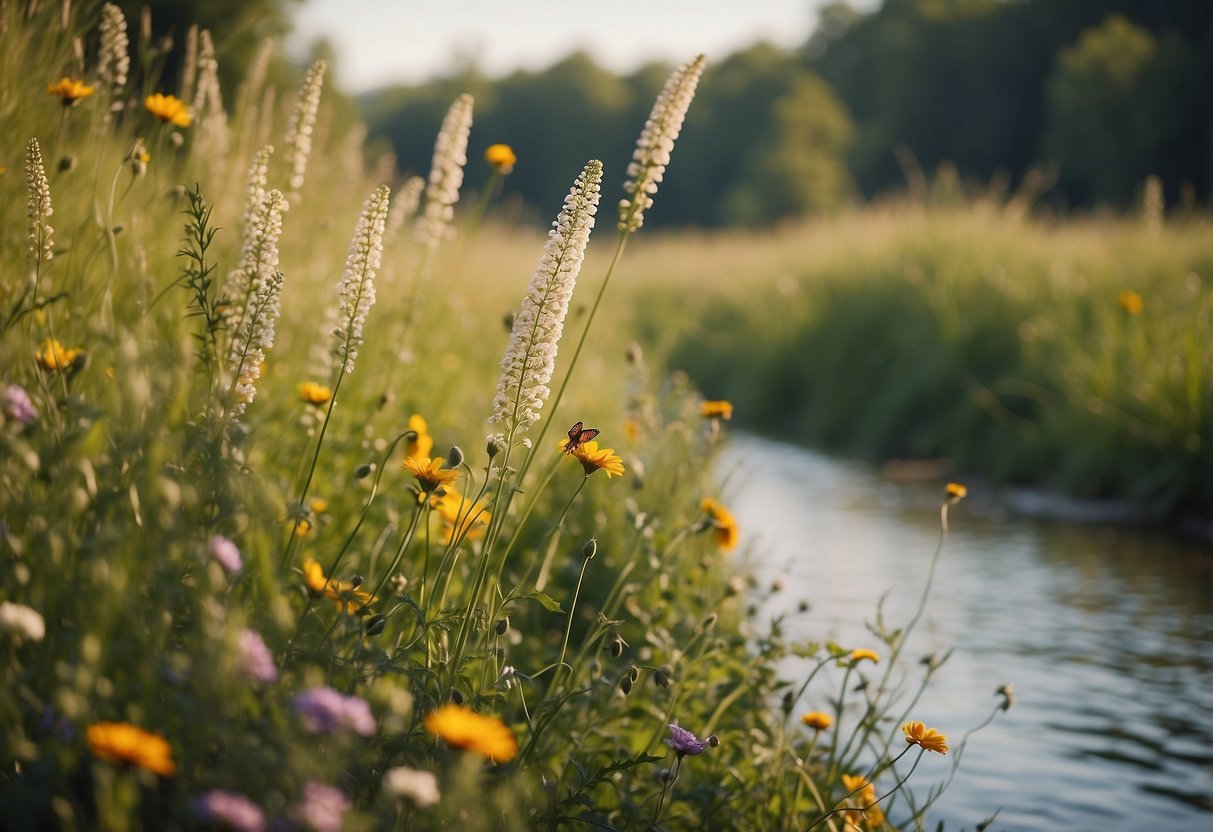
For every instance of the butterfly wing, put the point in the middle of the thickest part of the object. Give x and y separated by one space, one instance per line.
587 434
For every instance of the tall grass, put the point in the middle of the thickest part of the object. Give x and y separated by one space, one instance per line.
262 567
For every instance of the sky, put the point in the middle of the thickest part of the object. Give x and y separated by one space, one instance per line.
380 42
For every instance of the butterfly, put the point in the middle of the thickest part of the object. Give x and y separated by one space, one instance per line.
577 436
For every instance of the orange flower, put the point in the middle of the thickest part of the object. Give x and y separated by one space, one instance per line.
344 595
429 472
928 738
817 720
726 527
54 356
69 90
314 394
459 515
956 492
420 445
168 108
864 653
1130 301
501 157
464 728
593 458
720 409
121 742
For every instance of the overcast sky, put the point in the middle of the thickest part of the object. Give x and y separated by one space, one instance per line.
384 41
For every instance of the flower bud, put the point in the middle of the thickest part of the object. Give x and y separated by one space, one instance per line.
662 676
633 673
454 457
503 625
616 647
789 701
363 471
375 624
456 696
626 685
713 741
589 549
67 163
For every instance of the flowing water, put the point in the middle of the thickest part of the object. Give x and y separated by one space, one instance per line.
1107 635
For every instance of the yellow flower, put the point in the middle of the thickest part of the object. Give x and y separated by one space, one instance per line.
423 443
817 720
318 505
593 458
70 90
54 356
459 514
429 472
863 799
1130 301
864 653
121 742
314 394
344 595
928 738
717 410
464 728
722 520
168 108
956 492
501 157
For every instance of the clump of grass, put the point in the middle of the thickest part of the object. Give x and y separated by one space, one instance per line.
246 586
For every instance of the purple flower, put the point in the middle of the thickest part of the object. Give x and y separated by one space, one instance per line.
233 810
684 742
256 661
325 711
323 807
225 551
17 405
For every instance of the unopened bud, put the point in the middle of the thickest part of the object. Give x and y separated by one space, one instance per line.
503 625
589 549
625 685
1007 692
493 444
617 647
456 696
67 163
356 581
375 624
633 672
662 676
709 623
788 702
454 457
713 741
363 471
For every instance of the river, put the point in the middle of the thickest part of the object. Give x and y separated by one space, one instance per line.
1107 635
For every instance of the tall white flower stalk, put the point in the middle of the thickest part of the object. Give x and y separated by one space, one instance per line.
41 243
302 123
113 58
255 331
446 174
404 205
530 357
259 249
213 132
652 153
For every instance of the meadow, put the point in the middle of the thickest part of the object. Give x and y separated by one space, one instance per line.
299 526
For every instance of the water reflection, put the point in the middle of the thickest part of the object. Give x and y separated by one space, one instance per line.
1107 635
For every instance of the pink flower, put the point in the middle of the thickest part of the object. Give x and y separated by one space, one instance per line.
326 711
256 661
323 807
231 810
225 551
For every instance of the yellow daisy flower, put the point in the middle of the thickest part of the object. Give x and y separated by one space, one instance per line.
54 356
458 513
720 409
344 595
1130 301
864 653
314 394
464 728
121 742
501 157
423 443
817 720
429 472
593 458
727 533
69 90
168 108
928 738
956 492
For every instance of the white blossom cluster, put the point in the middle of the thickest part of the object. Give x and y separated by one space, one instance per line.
262 227
258 266
41 246
446 173
303 121
404 205
254 189
652 154
357 286
113 58
530 357
208 100
25 623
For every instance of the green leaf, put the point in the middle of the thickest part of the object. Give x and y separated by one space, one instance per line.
546 601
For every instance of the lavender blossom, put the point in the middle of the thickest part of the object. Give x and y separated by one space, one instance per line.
684 742
323 807
17 405
255 661
326 711
233 811
226 553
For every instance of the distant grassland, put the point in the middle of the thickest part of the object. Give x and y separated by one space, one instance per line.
968 332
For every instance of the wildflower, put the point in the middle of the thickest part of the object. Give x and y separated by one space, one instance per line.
530 357
464 728
326 711
39 204
446 173
255 186
429 472
17 404
344 595
652 153
303 120
717 410
229 810
357 286
863 653
726 527
138 157
226 553
421 787
460 515
314 394
23 622
208 100
318 505
323 807
928 738
259 246
817 720
255 338
1007 692
593 458
956 492
420 445
113 57
255 660
684 742
121 742
54 356
863 800
168 108
69 90
501 157
1130 302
